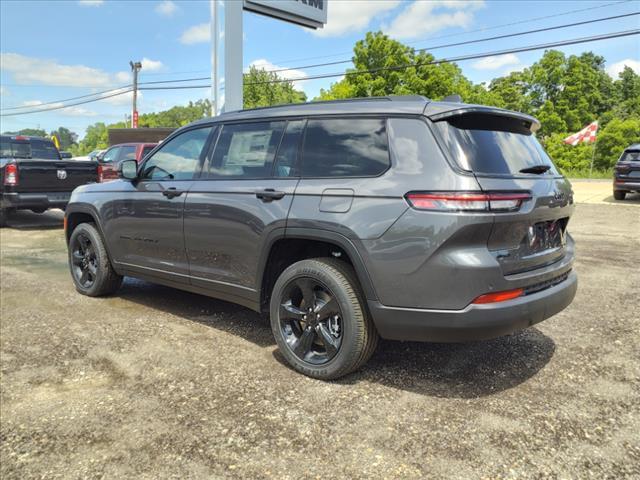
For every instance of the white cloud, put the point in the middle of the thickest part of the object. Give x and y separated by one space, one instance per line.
90 3
422 18
347 16
123 77
4 91
149 65
197 34
69 111
288 74
496 62
30 70
616 68
166 8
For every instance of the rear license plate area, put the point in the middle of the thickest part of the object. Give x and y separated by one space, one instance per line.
543 236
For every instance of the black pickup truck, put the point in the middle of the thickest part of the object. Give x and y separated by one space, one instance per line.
33 176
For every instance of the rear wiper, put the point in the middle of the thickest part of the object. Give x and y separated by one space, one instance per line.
536 169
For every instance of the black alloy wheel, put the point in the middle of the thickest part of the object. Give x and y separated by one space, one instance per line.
311 321
84 261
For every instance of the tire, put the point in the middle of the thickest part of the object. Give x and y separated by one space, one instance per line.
619 194
86 245
351 325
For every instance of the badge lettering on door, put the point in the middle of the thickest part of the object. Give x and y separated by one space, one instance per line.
62 174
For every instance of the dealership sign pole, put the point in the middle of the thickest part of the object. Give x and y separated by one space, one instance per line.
226 40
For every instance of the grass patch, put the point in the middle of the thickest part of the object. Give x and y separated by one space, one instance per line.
585 173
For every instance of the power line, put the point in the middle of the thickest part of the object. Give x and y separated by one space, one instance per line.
528 48
69 99
542 46
493 27
65 106
469 42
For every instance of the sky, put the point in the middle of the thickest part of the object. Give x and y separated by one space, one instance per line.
55 50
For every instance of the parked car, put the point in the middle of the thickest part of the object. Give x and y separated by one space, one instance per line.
395 217
93 155
626 174
34 177
111 157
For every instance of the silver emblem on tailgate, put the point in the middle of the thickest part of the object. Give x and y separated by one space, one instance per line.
62 174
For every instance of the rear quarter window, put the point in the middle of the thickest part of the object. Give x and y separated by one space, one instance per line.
346 147
630 156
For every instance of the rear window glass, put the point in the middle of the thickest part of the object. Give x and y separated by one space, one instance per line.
44 150
492 145
146 150
9 149
631 156
348 147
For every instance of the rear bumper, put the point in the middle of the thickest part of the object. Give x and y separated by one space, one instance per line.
626 184
475 322
36 201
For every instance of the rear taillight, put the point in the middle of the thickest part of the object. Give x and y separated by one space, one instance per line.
100 177
499 296
468 201
11 174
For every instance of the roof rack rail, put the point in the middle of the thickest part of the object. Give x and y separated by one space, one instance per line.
388 98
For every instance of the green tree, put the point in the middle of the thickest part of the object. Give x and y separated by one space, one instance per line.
614 138
66 137
262 89
29 132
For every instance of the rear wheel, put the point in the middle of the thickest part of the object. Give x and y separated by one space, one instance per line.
319 319
91 269
619 194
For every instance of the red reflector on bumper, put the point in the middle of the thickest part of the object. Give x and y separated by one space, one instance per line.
499 296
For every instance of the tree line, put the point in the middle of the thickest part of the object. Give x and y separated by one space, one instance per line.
564 92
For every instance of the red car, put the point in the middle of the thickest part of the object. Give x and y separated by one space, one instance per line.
111 158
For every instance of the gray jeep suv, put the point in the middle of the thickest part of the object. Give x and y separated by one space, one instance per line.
345 221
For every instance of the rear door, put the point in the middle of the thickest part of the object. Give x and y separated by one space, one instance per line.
242 197
505 156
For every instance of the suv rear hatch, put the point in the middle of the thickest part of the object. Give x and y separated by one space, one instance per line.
499 147
628 166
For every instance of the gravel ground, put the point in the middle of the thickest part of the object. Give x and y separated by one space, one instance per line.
157 383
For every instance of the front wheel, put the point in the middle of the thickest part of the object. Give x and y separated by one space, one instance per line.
619 194
91 269
319 319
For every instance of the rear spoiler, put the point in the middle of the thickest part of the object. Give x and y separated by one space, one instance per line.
440 111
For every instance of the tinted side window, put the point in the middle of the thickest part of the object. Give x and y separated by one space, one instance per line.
111 155
349 147
145 151
246 150
288 151
127 153
179 158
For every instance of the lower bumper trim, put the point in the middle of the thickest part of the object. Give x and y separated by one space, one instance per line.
475 322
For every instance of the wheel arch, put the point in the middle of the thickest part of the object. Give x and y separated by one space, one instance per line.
314 239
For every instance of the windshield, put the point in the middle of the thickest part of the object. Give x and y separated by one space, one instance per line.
631 156
492 145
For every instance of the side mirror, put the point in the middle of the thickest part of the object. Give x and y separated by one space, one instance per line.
128 169
65 155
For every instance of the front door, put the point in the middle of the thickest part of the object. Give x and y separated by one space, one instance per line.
242 198
147 218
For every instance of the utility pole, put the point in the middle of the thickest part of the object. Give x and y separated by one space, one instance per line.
135 68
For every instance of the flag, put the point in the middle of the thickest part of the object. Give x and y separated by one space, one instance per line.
586 135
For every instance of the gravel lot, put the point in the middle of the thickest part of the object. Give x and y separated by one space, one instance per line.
157 383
